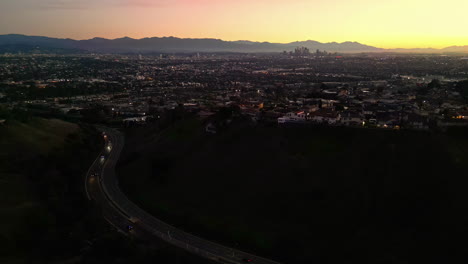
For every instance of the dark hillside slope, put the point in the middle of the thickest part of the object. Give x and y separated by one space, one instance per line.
297 195
43 212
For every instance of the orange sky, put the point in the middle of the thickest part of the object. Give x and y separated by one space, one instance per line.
380 23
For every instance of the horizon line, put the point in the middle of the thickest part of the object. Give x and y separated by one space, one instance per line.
240 40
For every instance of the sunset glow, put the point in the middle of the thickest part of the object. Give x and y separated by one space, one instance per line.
385 23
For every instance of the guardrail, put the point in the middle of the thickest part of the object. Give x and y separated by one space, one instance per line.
172 235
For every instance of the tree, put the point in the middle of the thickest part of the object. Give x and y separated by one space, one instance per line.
462 88
435 83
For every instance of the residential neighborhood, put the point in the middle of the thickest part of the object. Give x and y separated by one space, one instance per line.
385 91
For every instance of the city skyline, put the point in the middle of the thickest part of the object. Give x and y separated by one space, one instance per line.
386 24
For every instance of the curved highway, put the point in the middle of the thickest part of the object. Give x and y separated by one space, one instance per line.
102 187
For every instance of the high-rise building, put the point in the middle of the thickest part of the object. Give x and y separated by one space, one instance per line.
301 51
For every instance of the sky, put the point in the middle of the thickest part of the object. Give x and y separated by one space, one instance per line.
380 23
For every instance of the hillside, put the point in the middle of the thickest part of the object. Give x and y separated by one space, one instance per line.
41 163
305 195
44 213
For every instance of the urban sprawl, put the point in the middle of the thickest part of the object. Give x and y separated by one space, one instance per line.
387 91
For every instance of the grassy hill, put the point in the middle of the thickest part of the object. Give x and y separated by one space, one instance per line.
44 215
18 143
41 164
299 195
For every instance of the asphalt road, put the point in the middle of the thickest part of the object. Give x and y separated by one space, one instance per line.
102 186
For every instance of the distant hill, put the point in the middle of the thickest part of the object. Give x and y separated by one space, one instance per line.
22 43
457 49
14 43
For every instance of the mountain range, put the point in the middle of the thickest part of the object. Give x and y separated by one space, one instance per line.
14 43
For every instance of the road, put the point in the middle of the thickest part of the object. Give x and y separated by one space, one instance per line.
102 186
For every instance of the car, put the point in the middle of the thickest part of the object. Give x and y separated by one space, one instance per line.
247 260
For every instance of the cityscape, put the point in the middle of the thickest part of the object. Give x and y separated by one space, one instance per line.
390 91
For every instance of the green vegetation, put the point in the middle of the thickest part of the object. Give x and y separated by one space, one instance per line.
115 248
40 134
462 87
64 89
43 212
304 195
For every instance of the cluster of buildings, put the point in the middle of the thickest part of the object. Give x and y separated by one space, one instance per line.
378 91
